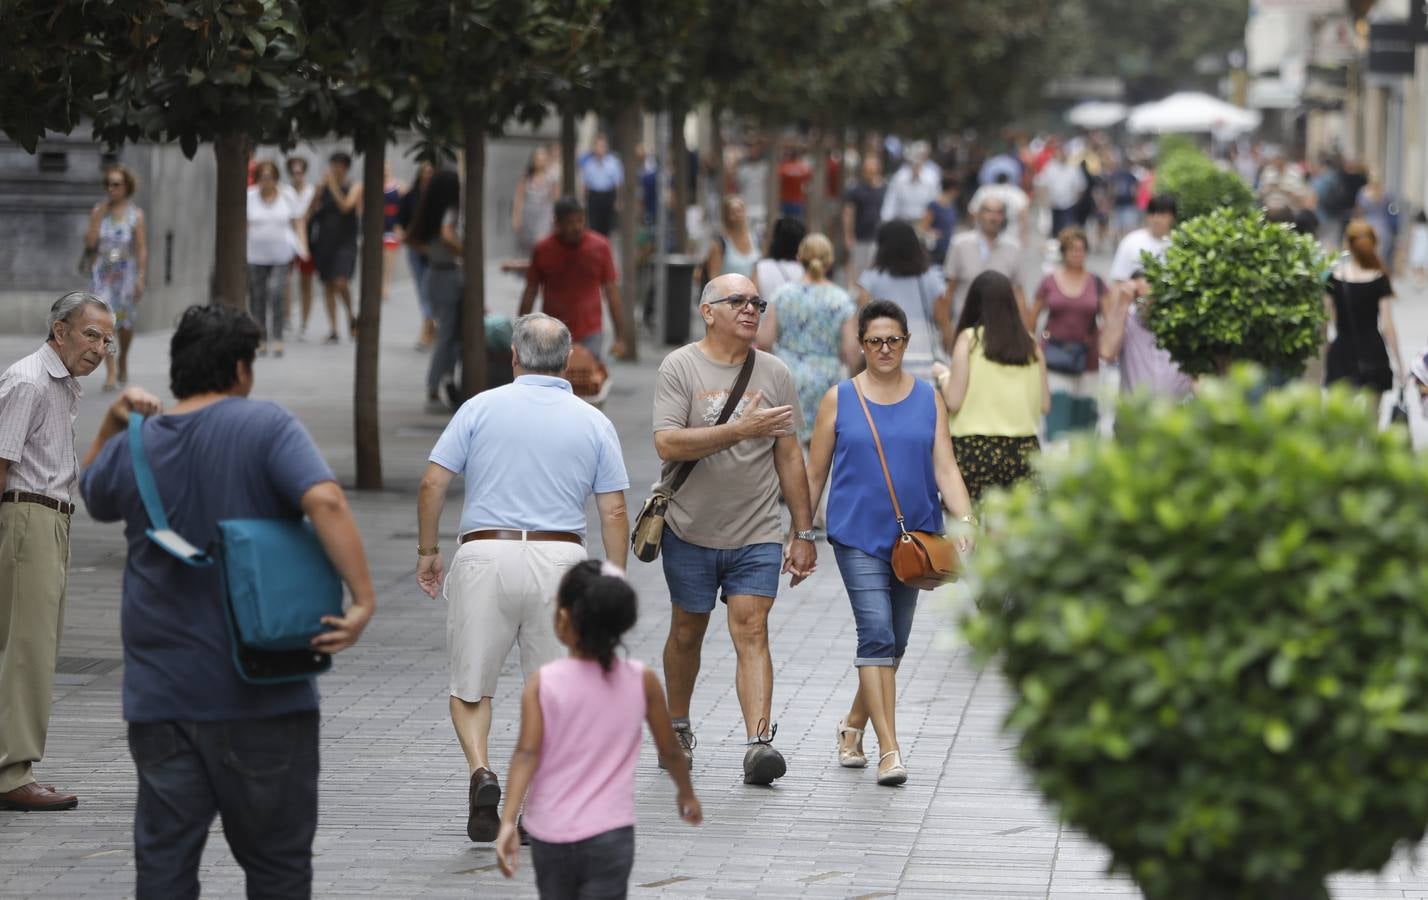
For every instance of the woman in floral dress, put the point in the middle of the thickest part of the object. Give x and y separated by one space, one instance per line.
116 241
811 325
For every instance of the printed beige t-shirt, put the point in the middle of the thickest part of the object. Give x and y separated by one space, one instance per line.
731 498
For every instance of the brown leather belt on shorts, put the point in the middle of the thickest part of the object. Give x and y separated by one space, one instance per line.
26 497
508 534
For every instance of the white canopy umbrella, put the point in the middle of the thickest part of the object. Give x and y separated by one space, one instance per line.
1096 114
1190 112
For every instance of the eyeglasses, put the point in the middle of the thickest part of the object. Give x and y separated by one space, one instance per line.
893 343
95 336
113 184
738 303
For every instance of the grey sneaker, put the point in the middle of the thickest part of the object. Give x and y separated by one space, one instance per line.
762 763
687 742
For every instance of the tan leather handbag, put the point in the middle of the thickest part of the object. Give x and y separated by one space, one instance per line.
920 559
649 524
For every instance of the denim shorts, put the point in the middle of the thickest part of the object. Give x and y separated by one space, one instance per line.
696 575
883 607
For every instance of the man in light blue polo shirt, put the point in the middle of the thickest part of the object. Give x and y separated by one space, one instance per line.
531 454
603 174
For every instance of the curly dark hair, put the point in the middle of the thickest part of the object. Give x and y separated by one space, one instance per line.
787 235
900 252
442 193
206 348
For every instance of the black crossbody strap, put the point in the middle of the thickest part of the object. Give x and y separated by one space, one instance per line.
741 384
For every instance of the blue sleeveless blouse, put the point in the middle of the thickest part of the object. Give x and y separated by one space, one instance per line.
860 513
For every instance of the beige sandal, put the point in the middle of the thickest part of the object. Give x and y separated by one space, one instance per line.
853 758
893 773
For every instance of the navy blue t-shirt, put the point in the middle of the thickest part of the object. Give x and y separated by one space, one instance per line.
235 459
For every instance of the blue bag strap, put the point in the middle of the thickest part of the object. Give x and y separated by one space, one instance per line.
144 476
158 531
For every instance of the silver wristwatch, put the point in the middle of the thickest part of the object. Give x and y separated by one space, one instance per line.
808 535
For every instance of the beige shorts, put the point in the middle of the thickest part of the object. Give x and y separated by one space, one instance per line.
500 593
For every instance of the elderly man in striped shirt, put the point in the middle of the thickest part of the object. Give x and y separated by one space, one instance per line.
39 399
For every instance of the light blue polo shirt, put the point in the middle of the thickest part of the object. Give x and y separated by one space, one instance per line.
532 453
602 174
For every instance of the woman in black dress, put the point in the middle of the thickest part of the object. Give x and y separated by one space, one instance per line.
1359 301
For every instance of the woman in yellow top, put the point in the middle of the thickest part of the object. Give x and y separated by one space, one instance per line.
996 390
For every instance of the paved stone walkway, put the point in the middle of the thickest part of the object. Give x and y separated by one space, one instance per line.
966 824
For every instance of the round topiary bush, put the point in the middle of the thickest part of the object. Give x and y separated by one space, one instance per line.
1216 631
1235 287
1200 186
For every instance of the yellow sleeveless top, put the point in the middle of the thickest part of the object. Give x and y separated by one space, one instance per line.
1001 401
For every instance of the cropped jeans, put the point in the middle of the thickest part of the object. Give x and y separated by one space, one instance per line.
883 607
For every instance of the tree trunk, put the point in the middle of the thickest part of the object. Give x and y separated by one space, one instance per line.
230 259
567 153
366 419
679 175
716 150
818 184
473 255
627 135
775 156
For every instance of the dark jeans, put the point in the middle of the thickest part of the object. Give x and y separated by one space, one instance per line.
419 265
443 291
600 211
1062 218
260 775
266 293
597 868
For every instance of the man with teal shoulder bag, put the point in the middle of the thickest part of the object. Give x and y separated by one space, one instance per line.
206 738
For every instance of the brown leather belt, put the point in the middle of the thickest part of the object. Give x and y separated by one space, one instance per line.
508 534
26 497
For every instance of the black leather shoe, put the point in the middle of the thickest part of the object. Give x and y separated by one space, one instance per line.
483 820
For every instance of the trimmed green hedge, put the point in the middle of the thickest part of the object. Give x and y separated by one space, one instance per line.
1200 186
1234 287
1216 631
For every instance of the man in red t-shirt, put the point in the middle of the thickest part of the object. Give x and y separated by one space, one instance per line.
794 174
569 267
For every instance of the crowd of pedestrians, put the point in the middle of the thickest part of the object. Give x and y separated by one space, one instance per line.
803 411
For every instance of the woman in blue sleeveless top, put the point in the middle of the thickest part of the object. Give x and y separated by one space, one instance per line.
912 425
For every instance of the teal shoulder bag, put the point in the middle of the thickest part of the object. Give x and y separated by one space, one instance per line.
277 581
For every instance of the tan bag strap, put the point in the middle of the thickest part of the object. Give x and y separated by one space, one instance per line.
877 442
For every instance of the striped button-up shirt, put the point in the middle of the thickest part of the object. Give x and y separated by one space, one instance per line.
39 400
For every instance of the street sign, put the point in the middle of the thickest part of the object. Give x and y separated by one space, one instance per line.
1391 48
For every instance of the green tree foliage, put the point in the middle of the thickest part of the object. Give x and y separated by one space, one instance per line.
1214 628
1235 287
975 64
1200 186
225 72
1155 45
54 63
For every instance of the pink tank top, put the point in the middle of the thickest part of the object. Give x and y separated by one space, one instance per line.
585 782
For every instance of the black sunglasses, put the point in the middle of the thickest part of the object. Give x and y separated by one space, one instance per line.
739 302
892 343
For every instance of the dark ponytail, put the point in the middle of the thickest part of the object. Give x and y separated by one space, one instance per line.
602 608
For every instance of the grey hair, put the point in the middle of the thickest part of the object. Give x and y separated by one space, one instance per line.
710 294
64 308
541 343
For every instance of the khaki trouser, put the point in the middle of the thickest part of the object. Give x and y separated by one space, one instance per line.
34 555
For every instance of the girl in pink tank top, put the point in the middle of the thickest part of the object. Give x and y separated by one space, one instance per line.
580 739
